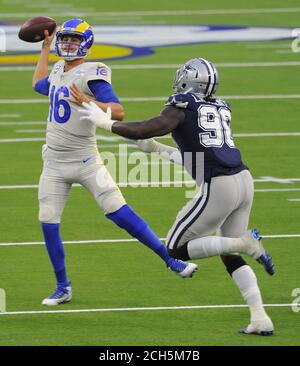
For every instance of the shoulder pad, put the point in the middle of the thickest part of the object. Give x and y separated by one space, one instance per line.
179 100
99 67
97 71
223 103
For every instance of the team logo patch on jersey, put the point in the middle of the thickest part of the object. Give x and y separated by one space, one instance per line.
121 41
57 68
79 72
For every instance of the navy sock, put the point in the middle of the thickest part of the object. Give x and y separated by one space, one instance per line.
128 220
56 252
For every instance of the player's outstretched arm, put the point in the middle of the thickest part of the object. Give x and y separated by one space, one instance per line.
169 119
117 111
166 151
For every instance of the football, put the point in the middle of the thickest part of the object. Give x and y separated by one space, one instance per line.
33 29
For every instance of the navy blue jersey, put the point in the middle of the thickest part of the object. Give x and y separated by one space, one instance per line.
206 129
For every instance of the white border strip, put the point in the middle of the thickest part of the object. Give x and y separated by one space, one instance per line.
152 308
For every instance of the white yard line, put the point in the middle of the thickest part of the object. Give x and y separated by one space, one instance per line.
120 184
290 51
263 179
267 179
152 308
250 134
277 190
67 242
267 134
219 65
281 236
30 131
171 183
117 241
23 123
160 99
146 13
25 139
24 101
104 138
9 115
175 66
272 45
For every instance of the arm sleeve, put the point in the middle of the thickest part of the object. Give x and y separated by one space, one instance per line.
103 91
42 86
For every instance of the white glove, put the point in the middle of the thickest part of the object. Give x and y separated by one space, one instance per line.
97 116
166 151
148 145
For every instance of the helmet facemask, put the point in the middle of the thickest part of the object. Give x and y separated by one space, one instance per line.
69 50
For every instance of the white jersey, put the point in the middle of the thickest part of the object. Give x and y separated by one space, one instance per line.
65 130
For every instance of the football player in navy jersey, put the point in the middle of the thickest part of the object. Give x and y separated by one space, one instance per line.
200 123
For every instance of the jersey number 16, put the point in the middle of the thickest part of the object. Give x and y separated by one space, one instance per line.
59 108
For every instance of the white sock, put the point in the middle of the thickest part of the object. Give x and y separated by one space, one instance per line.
246 281
214 245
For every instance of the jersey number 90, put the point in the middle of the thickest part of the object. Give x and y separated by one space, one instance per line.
215 122
60 109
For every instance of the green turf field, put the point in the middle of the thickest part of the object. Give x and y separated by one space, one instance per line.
123 274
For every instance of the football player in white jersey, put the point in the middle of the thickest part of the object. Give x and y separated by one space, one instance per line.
70 154
200 124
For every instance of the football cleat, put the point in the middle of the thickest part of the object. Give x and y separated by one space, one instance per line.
256 250
182 269
262 327
266 261
61 295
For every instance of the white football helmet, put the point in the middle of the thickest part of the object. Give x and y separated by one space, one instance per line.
197 76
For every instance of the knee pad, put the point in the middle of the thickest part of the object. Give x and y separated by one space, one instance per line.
111 201
47 214
233 262
179 252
